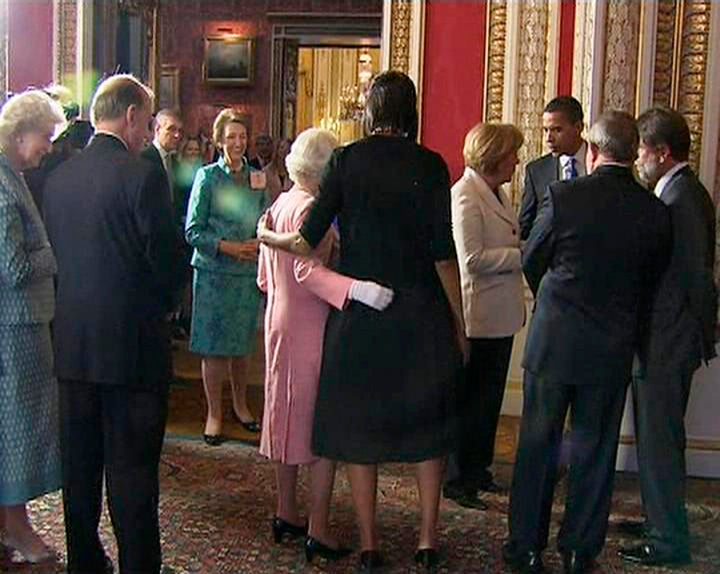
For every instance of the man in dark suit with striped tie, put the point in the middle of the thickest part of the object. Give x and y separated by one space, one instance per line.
563 126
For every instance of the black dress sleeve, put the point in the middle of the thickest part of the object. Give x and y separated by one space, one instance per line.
442 246
327 205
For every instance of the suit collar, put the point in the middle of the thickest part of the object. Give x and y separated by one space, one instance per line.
503 207
107 139
666 180
613 169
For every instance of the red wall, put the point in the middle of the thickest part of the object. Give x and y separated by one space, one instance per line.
186 23
567 39
30 25
454 67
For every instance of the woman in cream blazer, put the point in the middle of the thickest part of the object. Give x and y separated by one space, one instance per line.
487 241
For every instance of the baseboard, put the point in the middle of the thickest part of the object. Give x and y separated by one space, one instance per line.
513 399
699 463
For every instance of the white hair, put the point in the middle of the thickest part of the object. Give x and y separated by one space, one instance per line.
29 111
309 155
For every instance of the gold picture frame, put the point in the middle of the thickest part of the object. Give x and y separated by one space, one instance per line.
229 61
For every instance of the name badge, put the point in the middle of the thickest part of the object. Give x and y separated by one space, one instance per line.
258 180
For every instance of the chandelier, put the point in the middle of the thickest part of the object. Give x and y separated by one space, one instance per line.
351 103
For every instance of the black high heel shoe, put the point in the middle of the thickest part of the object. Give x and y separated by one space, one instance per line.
427 558
313 547
213 439
252 426
281 527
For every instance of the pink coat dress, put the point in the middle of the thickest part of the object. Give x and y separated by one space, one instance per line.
299 292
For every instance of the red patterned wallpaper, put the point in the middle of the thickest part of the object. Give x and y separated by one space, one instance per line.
186 22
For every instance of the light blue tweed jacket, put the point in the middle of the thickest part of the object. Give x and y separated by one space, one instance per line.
27 263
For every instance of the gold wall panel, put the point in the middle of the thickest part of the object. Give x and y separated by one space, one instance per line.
66 42
495 66
401 19
664 50
621 55
3 48
692 70
531 71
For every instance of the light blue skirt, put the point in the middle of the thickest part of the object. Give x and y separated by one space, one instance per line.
29 423
224 314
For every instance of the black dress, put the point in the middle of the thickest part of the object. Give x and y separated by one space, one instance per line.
387 384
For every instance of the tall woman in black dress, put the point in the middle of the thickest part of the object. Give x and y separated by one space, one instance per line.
387 382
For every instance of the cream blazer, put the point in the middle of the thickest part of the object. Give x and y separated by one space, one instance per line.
487 241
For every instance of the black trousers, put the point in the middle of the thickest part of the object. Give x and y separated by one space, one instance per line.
596 412
480 399
659 407
117 431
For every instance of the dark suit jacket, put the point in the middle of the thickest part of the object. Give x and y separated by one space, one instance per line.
539 174
152 154
593 260
682 329
110 223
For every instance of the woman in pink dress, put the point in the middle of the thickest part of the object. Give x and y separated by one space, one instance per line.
299 293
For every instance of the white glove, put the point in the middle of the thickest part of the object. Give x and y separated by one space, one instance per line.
371 294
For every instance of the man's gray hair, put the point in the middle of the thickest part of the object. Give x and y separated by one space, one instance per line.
615 135
116 94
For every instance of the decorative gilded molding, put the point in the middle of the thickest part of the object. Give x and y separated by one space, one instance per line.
588 60
692 70
495 63
552 56
400 21
621 55
664 50
65 42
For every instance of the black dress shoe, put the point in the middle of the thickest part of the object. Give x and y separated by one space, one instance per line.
281 527
465 497
370 561
492 487
527 562
634 528
428 559
313 547
648 555
213 439
577 563
250 426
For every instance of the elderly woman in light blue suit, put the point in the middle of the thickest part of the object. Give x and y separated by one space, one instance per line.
29 451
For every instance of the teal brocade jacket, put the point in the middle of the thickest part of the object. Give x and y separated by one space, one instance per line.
218 209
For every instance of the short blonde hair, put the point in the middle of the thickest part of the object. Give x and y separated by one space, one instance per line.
29 111
116 94
225 117
309 155
486 145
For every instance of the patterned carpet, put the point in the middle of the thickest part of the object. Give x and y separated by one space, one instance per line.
216 505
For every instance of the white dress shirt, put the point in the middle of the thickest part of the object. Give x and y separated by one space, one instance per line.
665 179
579 162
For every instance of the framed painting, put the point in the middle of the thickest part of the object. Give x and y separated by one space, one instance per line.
229 61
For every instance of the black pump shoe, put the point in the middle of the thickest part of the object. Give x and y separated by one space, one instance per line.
281 527
251 426
313 547
428 559
213 439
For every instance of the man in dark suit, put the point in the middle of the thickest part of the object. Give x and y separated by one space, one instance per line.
681 335
563 126
168 133
109 219
594 255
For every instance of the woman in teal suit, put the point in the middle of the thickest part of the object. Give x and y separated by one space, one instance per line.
29 428
226 201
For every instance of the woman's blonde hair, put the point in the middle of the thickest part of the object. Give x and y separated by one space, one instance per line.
225 117
309 155
486 145
29 111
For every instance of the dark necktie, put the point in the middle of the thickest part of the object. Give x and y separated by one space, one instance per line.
572 168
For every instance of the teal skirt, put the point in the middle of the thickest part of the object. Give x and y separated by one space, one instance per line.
29 424
224 314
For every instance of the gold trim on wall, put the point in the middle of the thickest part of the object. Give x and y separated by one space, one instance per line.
3 48
621 55
66 43
692 70
664 53
495 59
401 18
